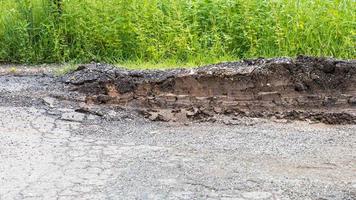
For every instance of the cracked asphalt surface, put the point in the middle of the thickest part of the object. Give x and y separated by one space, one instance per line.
49 150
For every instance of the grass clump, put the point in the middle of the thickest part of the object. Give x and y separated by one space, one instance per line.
179 32
65 69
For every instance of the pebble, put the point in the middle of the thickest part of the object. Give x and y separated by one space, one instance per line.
352 101
49 101
73 116
354 184
257 195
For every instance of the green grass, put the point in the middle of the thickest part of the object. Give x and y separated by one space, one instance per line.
157 33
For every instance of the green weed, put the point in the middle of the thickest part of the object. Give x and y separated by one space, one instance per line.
174 32
65 69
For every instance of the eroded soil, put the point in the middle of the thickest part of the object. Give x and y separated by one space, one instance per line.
315 89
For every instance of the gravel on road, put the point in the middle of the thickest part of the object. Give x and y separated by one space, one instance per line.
49 149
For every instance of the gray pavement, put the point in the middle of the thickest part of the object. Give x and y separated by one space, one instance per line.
48 150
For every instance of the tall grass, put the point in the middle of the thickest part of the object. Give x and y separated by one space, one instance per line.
180 31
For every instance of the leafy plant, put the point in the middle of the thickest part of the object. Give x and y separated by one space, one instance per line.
184 32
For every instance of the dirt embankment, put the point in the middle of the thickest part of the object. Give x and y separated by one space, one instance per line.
317 89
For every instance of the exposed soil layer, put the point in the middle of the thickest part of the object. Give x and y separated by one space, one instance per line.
304 88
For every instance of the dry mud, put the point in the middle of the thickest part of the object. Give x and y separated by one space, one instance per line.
305 88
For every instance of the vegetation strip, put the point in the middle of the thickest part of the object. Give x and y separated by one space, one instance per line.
175 32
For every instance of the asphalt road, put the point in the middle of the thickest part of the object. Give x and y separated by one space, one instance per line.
48 150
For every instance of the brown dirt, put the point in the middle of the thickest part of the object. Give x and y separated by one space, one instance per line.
304 88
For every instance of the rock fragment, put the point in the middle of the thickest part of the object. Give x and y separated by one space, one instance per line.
352 101
73 116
